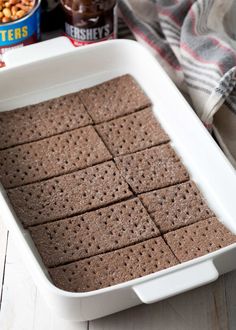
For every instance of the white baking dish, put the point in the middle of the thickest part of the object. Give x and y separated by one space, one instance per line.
79 68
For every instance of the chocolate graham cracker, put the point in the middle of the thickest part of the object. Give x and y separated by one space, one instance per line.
90 229
51 157
68 194
152 168
92 233
199 238
45 119
176 206
114 267
114 98
132 133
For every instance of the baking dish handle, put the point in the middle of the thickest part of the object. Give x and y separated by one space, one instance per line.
177 282
38 51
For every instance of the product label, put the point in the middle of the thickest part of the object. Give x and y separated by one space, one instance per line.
20 31
88 34
91 30
28 41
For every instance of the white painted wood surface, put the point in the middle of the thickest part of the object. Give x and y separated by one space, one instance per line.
212 307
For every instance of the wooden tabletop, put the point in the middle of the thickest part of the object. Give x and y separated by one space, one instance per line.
212 307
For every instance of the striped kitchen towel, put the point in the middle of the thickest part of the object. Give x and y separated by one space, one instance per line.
195 41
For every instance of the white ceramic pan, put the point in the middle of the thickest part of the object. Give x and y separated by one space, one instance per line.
50 75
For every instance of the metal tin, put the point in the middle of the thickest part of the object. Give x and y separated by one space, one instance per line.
22 32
